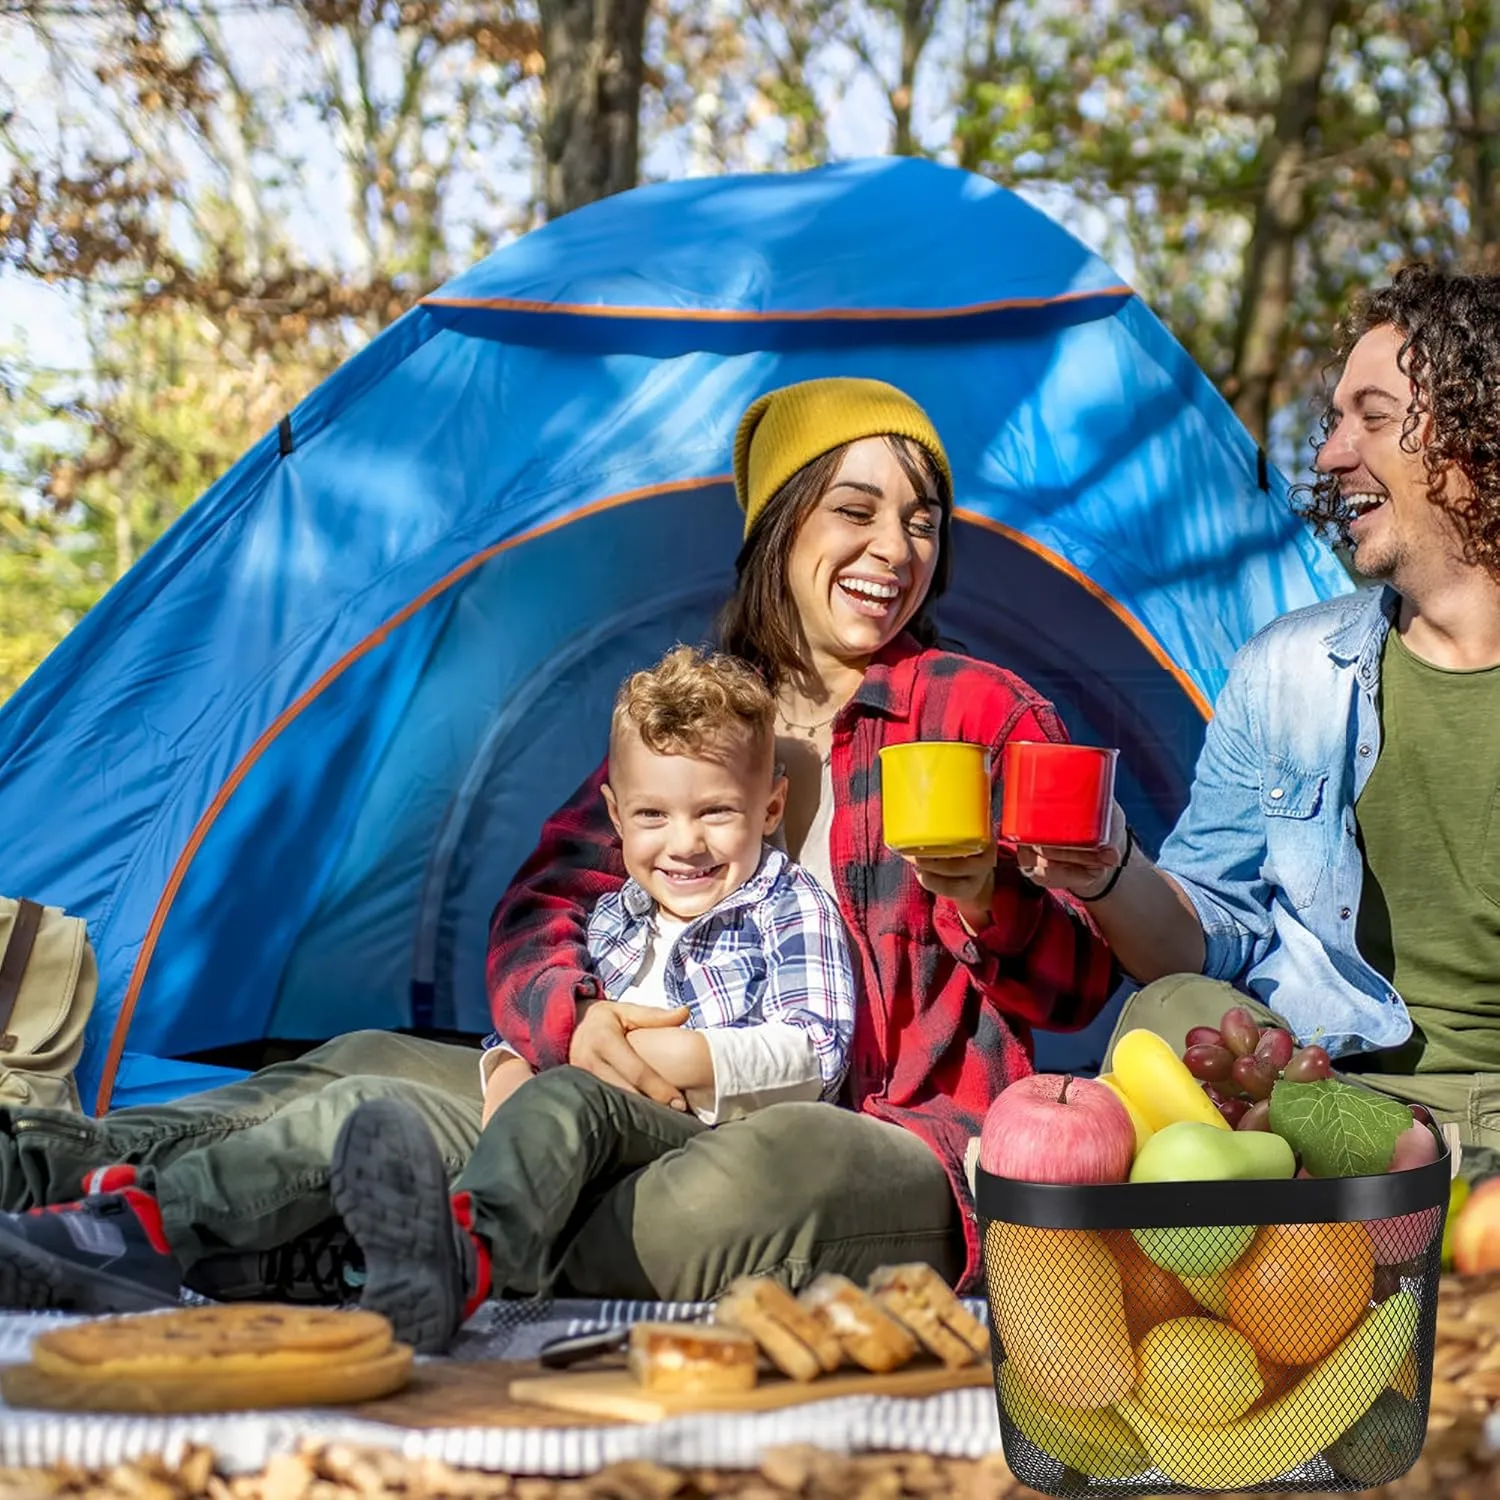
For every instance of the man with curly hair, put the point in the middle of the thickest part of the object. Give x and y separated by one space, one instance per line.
1339 859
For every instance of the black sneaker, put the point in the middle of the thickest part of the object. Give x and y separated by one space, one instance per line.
390 1187
106 1253
323 1268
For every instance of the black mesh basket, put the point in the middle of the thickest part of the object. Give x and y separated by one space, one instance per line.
1197 1337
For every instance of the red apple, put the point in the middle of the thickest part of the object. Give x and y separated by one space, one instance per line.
1056 1128
1408 1236
1476 1230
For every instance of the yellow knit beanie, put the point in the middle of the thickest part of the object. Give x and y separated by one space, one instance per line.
785 430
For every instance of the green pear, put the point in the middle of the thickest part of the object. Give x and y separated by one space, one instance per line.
1188 1151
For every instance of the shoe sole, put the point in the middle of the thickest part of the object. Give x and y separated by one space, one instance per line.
390 1187
37 1280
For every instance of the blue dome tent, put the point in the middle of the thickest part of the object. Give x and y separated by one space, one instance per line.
288 764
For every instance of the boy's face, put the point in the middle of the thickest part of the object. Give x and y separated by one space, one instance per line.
691 827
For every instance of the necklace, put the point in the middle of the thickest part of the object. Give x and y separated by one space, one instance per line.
807 729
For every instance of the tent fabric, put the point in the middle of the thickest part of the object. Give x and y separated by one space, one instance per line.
287 765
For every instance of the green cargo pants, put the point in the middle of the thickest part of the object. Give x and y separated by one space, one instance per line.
245 1167
1466 1105
578 1186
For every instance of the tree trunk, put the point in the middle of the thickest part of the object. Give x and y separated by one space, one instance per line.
1281 217
1482 156
917 17
591 126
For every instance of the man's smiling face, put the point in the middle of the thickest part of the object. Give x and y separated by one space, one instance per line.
1393 526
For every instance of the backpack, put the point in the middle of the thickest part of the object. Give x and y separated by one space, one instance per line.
48 981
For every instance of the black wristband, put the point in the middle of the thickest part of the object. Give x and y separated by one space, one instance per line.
1125 860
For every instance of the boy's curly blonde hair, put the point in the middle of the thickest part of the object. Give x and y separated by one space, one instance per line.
692 703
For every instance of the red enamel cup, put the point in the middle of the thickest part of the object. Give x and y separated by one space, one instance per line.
1057 794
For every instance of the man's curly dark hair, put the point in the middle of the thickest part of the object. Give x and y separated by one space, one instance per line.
1451 352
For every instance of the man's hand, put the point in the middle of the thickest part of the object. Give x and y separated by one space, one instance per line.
969 882
600 1047
1084 872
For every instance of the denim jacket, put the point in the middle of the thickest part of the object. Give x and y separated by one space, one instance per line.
1266 850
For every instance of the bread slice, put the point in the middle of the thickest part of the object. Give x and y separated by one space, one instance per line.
866 1333
692 1358
916 1296
796 1341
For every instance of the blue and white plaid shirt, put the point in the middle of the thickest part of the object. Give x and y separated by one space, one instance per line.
774 950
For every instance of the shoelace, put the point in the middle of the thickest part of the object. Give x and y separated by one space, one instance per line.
322 1260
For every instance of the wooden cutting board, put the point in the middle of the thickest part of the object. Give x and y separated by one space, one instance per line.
612 1393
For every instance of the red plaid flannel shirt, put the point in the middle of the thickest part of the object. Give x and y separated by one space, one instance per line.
944 1019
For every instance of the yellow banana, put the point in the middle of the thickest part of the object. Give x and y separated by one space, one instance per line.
1143 1131
1096 1443
1318 1410
1158 1082
1404 1381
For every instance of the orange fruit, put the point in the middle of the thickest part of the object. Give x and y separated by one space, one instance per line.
1152 1295
1300 1288
1056 1300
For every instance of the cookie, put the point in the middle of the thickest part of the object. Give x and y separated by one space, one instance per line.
208 1342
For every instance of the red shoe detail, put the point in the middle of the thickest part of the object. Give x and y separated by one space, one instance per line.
463 1213
110 1179
142 1205
148 1211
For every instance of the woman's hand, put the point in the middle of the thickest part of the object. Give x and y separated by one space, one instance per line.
1084 872
600 1047
968 882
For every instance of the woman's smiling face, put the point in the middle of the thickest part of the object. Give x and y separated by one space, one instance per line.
864 559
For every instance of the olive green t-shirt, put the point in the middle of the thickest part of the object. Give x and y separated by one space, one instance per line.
1429 830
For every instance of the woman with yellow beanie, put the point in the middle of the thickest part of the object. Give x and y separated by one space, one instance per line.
848 500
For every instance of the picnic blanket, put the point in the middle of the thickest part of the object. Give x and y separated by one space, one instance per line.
957 1424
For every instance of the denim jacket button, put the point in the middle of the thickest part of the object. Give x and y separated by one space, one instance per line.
1364 749
1345 913
1277 793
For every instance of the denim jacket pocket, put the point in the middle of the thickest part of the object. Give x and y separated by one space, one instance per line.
1297 853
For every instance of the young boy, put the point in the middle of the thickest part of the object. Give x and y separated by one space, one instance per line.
693 793
712 922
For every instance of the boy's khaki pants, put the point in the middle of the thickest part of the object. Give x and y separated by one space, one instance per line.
1465 1105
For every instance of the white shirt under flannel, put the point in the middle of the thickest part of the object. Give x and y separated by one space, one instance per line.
766 974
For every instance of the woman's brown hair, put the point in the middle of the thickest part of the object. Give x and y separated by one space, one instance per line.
760 624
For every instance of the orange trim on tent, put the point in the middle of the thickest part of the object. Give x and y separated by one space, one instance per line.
268 737
791 315
378 637
1113 605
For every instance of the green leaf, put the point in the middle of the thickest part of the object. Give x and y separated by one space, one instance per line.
1338 1129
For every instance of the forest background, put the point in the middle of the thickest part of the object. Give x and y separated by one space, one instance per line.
206 205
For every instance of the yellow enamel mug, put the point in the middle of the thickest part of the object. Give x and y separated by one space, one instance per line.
935 798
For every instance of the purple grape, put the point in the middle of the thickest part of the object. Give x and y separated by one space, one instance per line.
1310 1065
1215 1096
1239 1031
1204 1036
1257 1117
1209 1063
1234 1110
1254 1077
1275 1047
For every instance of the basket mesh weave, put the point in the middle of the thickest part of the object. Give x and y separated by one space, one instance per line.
1193 1358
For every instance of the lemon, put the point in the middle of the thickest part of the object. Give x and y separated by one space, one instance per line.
1197 1370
